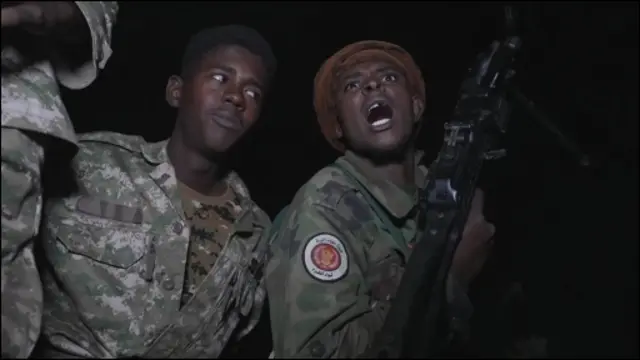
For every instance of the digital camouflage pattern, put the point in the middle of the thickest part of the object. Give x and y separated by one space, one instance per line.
32 110
318 308
118 249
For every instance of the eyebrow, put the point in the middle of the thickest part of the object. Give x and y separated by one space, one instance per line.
252 81
356 74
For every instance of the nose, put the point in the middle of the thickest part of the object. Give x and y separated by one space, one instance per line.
371 84
234 97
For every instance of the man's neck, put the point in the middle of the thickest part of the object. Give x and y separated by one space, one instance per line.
400 172
195 170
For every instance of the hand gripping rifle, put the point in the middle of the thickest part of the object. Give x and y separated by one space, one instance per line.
415 326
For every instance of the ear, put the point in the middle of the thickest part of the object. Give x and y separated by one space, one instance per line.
173 91
418 108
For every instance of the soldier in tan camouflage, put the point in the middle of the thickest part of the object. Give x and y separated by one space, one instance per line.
341 245
161 250
33 119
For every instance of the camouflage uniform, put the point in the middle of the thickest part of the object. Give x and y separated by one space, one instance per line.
32 111
119 250
336 265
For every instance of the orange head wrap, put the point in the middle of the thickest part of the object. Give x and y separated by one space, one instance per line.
357 53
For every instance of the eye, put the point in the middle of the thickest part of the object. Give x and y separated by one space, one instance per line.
353 85
389 78
219 78
253 94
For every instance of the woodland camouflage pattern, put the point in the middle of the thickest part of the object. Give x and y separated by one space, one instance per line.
338 318
31 104
119 248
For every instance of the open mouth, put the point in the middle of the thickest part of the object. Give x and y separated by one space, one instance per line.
379 114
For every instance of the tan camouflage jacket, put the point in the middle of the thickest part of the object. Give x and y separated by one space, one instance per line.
118 250
31 104
336 266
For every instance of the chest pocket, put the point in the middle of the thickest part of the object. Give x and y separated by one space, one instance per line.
104 232
100 265
117 247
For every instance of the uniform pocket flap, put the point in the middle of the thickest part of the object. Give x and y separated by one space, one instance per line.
115 246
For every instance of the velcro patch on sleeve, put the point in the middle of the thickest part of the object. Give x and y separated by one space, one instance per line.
325 258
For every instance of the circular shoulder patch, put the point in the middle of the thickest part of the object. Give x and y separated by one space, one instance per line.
325 258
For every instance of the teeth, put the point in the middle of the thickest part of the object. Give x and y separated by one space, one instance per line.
381 122
375 105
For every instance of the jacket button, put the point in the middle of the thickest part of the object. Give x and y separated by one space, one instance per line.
177 228
168 284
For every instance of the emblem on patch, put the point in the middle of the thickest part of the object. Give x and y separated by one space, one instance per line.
325 258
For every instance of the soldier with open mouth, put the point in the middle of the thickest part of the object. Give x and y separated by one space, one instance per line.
340 247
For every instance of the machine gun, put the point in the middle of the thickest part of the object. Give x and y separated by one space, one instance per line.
413 326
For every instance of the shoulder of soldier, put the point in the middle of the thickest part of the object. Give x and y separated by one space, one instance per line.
108 139
327 188
118 150
322 193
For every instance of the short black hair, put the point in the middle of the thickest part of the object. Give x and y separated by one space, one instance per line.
208 39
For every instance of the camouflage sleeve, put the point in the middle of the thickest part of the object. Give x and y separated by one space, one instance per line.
31 98
100 16
318 301
31 101
21 212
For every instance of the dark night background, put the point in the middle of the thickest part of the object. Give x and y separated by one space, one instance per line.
567 234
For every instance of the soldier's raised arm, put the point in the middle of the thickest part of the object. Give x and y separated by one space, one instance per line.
78 35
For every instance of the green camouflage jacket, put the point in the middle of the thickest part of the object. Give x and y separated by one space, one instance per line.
336 264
